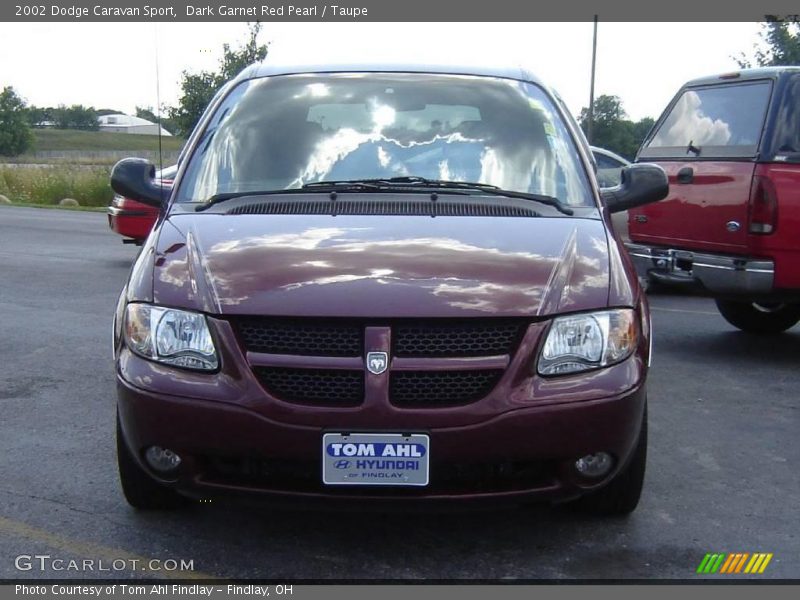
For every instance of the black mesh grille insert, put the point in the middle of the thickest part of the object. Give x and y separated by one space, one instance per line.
431 389
425 387
308 337
464 338
318 387
418 338
418 205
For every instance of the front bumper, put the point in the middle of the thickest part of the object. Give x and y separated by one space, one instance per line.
518 455
717 273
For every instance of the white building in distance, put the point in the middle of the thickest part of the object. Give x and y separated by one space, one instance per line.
127 124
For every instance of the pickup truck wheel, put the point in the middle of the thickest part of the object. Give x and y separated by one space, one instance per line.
140 490
754 317
621 495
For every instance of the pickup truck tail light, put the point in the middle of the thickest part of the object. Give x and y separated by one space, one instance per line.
763 206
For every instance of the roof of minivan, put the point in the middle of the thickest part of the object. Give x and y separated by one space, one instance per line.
743 75
266 69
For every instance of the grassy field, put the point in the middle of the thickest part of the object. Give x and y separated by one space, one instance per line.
49 185
29 179
93 141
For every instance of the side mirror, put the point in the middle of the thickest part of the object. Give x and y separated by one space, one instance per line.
134 178
641 183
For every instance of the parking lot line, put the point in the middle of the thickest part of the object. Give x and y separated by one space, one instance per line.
96 552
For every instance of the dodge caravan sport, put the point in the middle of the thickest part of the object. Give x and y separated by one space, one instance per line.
384 284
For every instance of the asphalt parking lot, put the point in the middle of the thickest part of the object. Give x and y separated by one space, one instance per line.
722 471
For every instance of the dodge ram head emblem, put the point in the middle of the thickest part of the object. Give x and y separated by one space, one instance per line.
377 362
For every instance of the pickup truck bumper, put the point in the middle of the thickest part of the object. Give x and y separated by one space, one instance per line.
718 273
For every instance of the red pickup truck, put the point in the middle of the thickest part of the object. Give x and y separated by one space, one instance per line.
730 145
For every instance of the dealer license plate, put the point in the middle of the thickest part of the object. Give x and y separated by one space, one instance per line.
375 459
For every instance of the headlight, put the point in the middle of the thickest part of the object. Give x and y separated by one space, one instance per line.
588 341
171 336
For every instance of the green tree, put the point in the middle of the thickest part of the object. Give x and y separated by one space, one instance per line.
611 128
15 131
38 115
197 89
76 116
146 112
779 45
640 130
607 109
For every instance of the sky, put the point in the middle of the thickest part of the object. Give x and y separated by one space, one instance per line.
114 65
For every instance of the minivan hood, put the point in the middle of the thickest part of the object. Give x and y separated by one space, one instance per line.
367 266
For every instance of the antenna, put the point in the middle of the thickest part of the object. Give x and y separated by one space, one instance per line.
158 112
590 123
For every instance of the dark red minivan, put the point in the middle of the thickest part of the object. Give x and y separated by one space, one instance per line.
730 145
384 284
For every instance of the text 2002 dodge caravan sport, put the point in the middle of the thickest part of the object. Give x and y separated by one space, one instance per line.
384 284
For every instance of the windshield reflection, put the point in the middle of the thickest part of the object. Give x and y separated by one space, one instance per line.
284 132
715 117
688 123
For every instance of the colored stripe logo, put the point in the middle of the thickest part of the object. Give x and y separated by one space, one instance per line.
734 562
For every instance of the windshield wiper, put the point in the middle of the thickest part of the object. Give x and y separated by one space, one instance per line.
413 180
493 190
217 198
693 149
326 186
385 184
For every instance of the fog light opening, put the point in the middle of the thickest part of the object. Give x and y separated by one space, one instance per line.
162 460
595 465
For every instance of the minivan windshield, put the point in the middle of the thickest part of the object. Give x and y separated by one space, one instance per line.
285 132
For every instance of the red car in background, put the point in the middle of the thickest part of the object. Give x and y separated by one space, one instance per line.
730 145
134 220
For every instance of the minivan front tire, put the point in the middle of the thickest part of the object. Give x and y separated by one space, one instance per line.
762 318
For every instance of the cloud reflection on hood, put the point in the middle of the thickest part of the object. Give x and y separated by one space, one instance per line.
421 263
